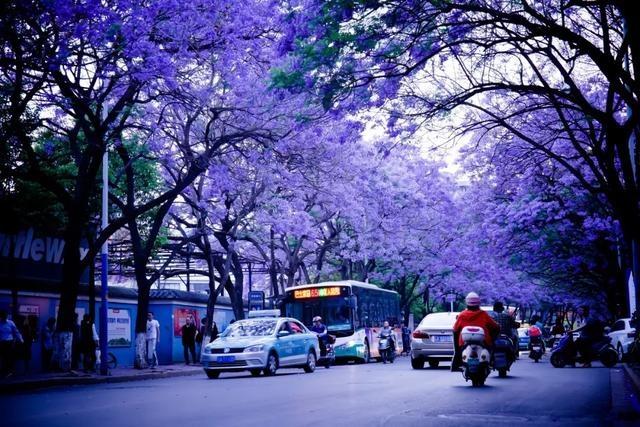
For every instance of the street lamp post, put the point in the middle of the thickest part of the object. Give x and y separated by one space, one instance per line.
450 298
104 304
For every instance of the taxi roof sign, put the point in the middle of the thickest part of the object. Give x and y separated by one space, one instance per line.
264 313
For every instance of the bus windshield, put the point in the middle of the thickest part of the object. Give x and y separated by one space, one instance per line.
335 313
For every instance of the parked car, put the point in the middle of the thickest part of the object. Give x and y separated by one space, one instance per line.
262 343
432 340
622 335
523 339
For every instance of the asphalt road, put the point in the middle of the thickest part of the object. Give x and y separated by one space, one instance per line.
351 395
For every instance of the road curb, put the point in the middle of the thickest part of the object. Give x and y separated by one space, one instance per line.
37 384
635 378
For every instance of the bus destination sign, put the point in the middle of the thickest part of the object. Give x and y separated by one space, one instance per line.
333 291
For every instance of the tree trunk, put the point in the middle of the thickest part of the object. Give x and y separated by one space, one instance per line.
140 359
272 267
144 289
70 286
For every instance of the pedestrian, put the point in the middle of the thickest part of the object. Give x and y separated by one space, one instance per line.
406 339
153 339
558 327
9 336
214 331
189 332
200 335
75 343
28 337
47 343
88 343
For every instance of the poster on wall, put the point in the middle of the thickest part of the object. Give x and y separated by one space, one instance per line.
180 318
119 329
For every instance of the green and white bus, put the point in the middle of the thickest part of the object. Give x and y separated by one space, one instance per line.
352 311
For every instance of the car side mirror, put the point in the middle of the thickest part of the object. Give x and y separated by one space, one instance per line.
283 334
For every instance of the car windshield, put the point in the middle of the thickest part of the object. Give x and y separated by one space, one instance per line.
250 328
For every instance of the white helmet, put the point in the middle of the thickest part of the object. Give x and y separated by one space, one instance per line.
473 299
317 319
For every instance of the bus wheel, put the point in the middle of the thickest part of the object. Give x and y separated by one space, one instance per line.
367 353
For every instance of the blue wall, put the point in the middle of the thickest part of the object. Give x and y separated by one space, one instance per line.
170 348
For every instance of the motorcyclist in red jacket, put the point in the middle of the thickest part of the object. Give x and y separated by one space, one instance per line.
472 316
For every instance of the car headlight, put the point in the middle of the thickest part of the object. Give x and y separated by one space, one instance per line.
254 348
207 350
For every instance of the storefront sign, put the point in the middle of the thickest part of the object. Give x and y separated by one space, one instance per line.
29 310
29 255
119 327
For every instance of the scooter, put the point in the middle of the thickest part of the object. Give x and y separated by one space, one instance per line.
503 355
566 353
386 348
329 358
536 348
475 357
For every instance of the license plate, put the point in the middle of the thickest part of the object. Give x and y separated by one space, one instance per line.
442 338
536 348
226 359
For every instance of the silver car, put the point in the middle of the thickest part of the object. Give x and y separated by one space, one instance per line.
261 344
432 340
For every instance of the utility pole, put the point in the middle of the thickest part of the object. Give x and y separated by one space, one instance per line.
635 262
104 304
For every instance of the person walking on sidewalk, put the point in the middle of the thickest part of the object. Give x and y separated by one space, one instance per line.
9 335
189 332
88 343
47 343
153 338
23 351
75 343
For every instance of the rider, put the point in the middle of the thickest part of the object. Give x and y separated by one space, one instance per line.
387 331
507 324
323 334
472 316
590 332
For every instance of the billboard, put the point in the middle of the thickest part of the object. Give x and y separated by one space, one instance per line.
31 255
118 327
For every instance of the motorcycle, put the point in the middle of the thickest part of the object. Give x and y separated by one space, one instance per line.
536 348
386 347
566 353
503 355
552 340
328 358
475 357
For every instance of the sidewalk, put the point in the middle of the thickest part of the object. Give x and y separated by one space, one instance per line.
625 395
19 383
